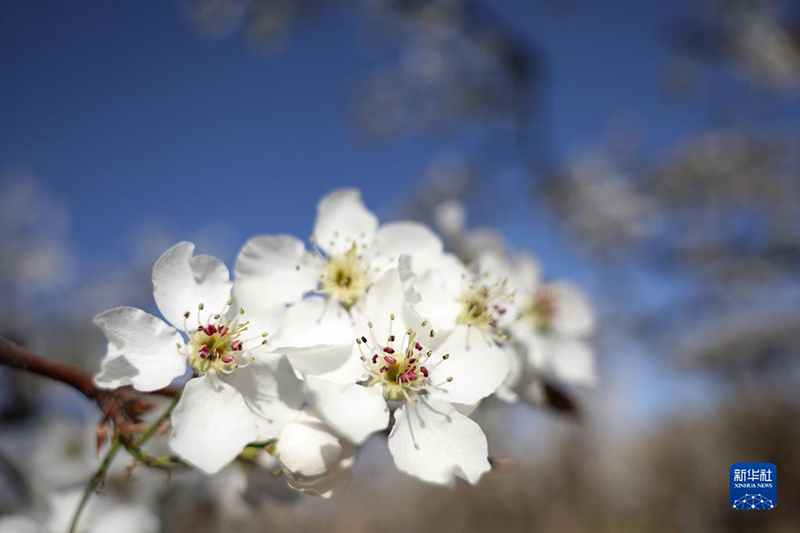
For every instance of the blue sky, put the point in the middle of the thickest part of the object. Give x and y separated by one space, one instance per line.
128 114
132 118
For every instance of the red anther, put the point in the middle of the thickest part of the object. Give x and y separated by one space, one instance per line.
411 377
210 329
374 359
237 345
227 360
389 359
493 323
413 368
217 352
203 351
402 378
424 371
388 349
384 368
223 330
412 361
418 346
501 310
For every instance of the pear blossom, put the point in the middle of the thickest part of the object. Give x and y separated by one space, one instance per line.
468 303
313 457
350 251
241 391
552 320
432 376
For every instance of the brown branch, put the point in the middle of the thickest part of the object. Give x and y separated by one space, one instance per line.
18 357
114 403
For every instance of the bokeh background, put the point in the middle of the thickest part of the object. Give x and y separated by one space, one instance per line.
649 151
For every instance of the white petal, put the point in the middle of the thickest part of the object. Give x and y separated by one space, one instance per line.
271 390
353 411
385 298
317 336
313 458
477 365
142 350
342 219
439 290
182 281
527 273
272 271
535 345
571 361
405 238
211 424
431 440
574 315
506 390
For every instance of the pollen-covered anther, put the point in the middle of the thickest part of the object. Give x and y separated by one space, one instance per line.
401 371
214 346
345 277
483 305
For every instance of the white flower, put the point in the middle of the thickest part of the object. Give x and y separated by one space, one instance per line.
242 392
468 304
313 458
350 253
552 320
101 516
403 360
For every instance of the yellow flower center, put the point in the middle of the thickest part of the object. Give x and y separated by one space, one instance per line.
345 278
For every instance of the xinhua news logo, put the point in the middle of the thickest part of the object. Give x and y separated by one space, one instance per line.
754 486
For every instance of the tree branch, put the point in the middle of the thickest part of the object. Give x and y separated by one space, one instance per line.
111 402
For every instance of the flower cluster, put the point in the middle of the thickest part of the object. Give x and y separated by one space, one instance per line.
310 350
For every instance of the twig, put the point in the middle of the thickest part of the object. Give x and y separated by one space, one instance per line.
94 482
111 402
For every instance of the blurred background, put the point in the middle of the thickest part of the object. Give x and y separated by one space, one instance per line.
648 151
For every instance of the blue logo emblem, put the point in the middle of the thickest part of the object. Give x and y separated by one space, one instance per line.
754 486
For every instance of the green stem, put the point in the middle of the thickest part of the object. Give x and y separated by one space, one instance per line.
94 482
98 476
160 420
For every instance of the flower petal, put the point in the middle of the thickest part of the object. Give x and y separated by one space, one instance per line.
574 315
405 238
342 219
316 336
211 424
272 271
432 441
439 290
385 298
142 350
527 274
507 390
353 411
571 361
314 459
182 281
477 365
271 390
